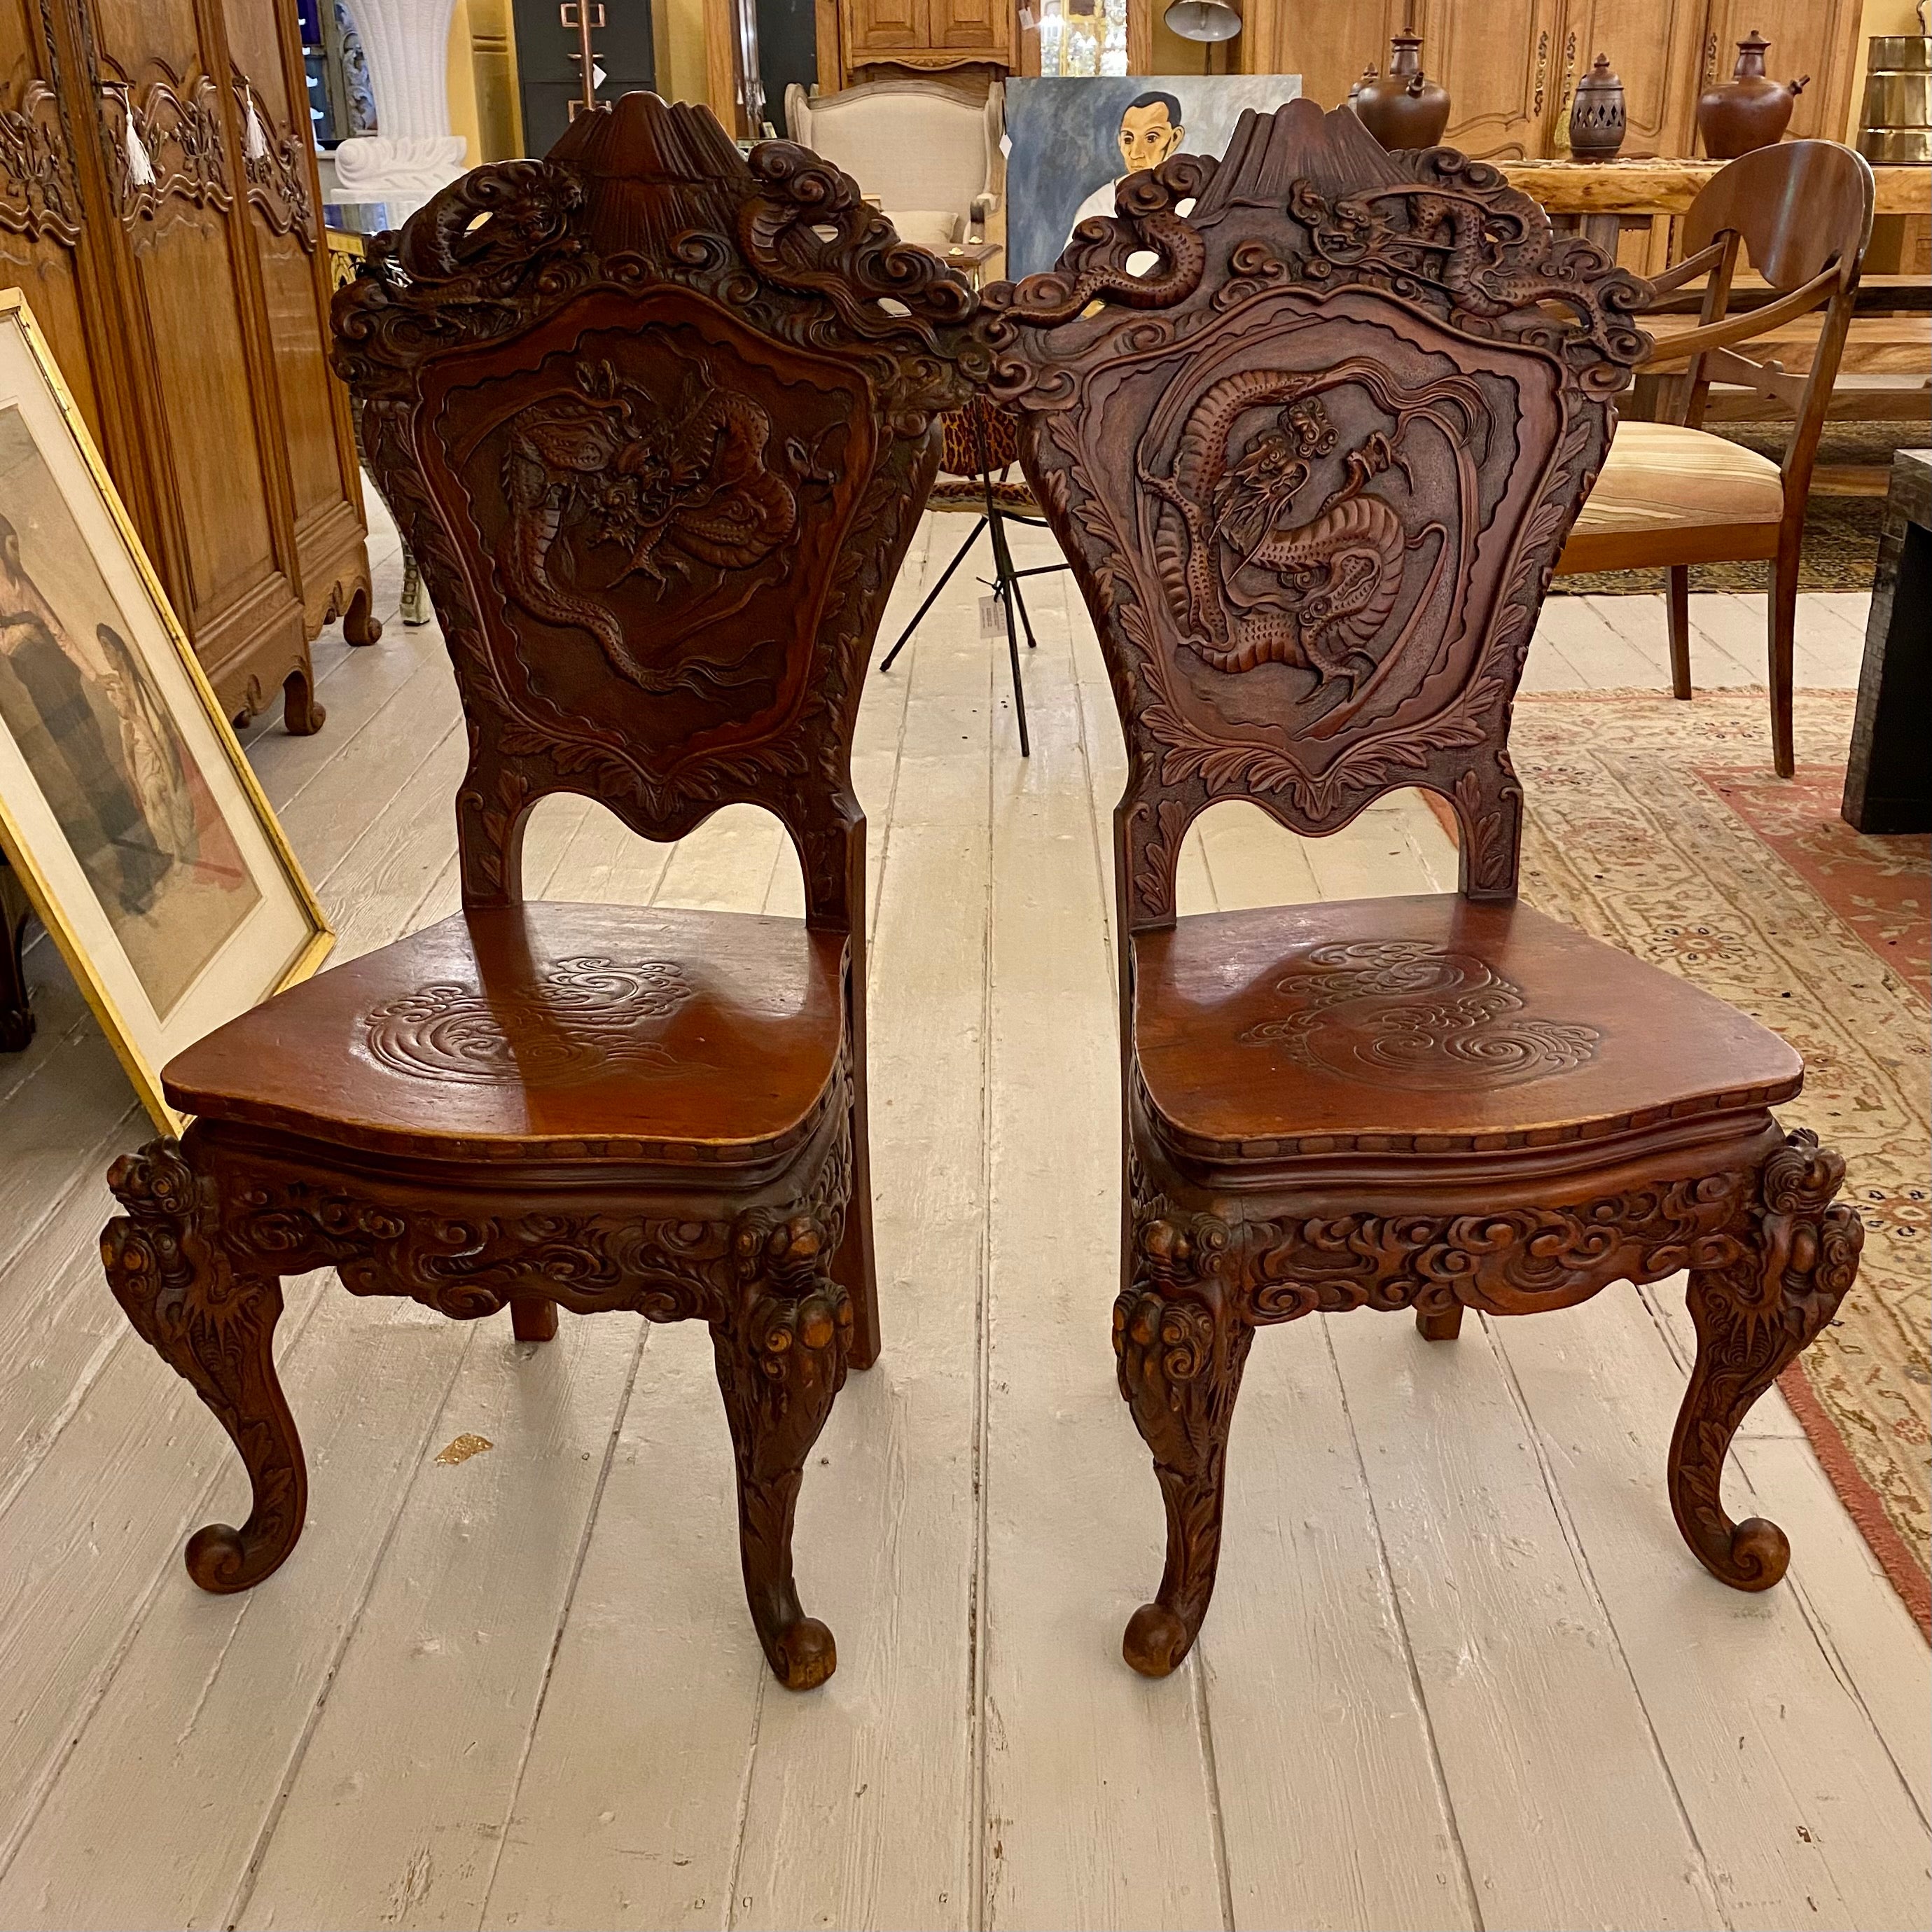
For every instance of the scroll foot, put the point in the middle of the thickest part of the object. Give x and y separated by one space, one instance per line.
1179 1349
781 1358
1797 1254
215 1324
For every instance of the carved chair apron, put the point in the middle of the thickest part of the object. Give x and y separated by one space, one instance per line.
658 425
1313 468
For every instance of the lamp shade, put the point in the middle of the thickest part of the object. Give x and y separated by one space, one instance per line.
1203 19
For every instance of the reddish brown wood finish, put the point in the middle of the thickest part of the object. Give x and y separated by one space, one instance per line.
659 447
1313 469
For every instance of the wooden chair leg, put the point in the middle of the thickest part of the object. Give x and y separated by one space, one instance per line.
1797 1254
1443 1327
1679 602
1179 1356
1783 623
781 1358
854 1265
533 1319
214 1325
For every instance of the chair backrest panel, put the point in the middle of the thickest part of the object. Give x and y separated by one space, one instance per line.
1313 468
657 425
1798 206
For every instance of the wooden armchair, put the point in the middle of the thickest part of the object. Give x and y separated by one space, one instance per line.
1671 493
1313 470
660 449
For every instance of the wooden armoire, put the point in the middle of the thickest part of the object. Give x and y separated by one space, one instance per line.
159 206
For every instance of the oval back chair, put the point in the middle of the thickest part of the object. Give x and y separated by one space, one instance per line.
1674 493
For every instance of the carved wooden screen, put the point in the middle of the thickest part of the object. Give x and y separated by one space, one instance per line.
658 425
1313 458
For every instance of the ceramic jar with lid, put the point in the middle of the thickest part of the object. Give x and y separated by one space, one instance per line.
1751 110
1597 116
1404 108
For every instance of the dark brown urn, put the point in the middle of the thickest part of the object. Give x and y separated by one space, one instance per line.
1404 109
1597 119
1751 110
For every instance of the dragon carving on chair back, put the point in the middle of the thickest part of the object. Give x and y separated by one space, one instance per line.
1311 421
658 420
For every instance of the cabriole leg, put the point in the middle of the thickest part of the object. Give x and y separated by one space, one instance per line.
1798 1255
213 1323
781 1358
1179 1349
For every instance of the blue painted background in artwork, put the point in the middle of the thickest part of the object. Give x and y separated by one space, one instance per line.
1064 132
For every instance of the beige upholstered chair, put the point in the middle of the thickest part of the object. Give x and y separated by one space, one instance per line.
1672 493
931 156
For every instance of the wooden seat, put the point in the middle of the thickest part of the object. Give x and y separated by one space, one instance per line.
1313 469
659 450
1670 493
1662 478
545 1032
1436 1025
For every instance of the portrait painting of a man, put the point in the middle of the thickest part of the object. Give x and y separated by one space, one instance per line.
84 714
1072 142
1152 128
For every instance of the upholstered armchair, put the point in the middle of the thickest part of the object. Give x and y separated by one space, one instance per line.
929 155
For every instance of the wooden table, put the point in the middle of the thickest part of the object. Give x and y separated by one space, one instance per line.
1888 781
1603 198
1668 187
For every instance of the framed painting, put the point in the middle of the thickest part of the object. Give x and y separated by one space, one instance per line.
127 807
1072 141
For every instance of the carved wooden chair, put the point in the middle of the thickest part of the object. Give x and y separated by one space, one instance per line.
658 425
1673 493
1313 470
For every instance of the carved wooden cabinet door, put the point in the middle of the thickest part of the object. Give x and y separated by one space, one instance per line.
1656 47
284 220
970 26
1499 60
880 27
1328 46
43 212
211 413
158 205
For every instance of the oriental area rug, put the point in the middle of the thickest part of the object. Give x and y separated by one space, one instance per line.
1658 826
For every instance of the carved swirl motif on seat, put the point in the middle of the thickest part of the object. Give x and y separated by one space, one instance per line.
1409 1013
581 1021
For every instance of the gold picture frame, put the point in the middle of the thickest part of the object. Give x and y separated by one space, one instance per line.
128 810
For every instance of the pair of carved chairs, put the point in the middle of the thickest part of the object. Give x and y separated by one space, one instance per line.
658 423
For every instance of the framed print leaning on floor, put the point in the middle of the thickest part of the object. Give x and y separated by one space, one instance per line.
127 807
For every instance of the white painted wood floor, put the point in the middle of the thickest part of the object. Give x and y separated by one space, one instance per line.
1460 1672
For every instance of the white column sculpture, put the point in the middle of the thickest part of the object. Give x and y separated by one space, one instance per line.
406 43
